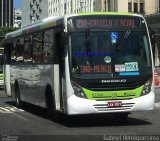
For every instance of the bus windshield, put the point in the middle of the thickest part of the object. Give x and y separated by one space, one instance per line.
109 53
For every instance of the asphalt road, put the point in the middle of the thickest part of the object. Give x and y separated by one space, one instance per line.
32 123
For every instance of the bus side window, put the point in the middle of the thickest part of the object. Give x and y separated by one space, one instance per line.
37 47
60 50
13 53
7 52
48 45
18 50
28 49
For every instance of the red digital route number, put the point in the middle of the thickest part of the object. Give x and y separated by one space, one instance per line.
127 23
96 69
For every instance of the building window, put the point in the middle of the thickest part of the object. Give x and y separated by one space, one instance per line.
105 5
135 7
159 5
65 8
129 7
94 6
141 7
40 11
109 6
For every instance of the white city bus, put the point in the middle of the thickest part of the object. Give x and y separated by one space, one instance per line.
86 63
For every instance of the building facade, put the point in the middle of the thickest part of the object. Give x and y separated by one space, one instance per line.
17 18
144 7
6 13
63 7
34 10
55 8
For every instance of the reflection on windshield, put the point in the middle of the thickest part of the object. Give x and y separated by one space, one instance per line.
101 54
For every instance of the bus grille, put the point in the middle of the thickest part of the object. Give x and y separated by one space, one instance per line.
115 86
105 108
110 97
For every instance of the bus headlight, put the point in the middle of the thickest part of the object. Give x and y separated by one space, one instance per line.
147 87
78 91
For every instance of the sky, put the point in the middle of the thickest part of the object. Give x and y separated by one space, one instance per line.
17 4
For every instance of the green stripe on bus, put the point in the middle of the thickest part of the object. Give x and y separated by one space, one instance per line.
113 95
107 13
1 76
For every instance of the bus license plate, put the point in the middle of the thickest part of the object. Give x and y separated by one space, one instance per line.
114 104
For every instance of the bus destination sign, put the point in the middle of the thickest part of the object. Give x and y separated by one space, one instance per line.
80 23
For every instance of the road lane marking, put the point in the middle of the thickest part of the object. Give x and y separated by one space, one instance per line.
14 109
11 109
4 109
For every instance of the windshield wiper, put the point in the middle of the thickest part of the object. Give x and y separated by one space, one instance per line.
128 32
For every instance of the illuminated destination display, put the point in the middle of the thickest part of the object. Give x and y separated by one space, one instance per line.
103 23
96 69
83 22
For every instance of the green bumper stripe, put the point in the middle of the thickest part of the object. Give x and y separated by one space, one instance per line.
111 95
1 76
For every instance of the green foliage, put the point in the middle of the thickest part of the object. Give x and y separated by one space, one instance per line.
3 31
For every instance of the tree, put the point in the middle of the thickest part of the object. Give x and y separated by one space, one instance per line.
3 31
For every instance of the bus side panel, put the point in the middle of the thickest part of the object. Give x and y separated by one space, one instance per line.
7 80
13 70
56 86
24 76
42 76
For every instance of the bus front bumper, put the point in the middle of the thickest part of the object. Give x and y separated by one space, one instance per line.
1 84
76 105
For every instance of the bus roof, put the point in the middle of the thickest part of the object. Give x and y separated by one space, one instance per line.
39 25
59 20
111 13
106 13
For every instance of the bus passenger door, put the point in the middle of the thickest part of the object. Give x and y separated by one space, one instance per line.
59 69
7 84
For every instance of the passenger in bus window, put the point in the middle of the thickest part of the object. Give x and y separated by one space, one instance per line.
13 55
19 50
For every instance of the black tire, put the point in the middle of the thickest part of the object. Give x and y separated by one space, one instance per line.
17 96
50 103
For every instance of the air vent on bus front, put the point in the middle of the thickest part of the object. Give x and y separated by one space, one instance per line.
113 86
